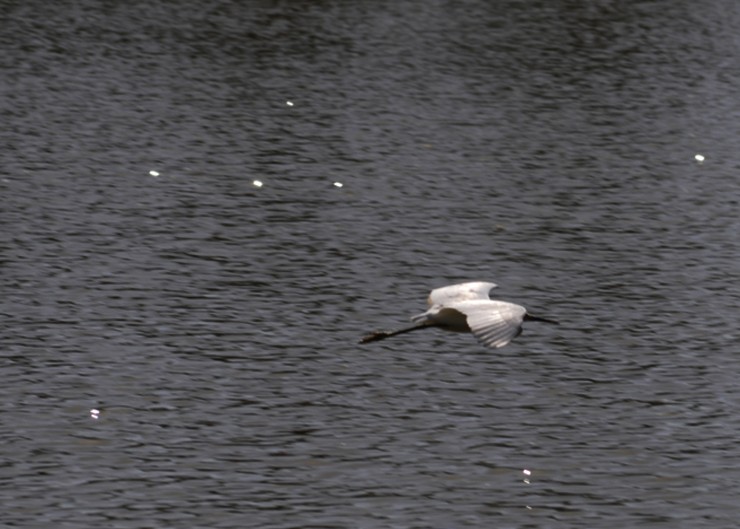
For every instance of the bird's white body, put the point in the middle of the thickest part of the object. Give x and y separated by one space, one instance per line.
466 307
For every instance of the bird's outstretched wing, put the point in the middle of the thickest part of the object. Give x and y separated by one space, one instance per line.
493 323
460 292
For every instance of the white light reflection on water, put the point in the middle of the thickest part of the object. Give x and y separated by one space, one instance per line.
527 473
95 413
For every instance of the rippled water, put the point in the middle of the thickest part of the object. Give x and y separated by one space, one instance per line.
205 205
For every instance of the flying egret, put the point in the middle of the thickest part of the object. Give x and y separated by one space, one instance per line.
467 307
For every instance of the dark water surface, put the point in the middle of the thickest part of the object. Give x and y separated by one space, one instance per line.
205 204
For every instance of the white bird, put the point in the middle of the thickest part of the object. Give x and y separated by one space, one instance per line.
467 307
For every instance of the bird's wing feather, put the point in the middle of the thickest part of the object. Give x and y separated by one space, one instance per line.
493 323
460 292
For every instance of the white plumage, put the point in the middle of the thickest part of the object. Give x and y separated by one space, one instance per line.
466 307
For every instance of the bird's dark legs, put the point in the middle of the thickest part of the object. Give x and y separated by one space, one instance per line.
382 335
